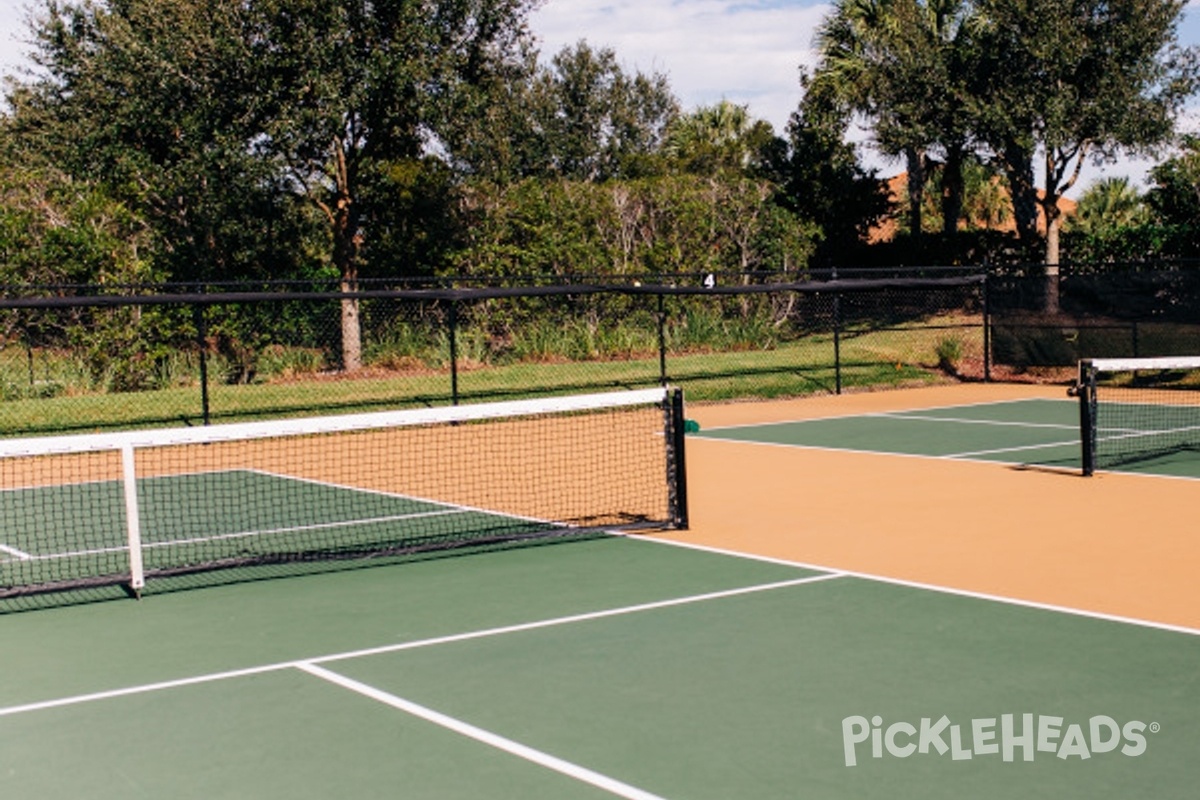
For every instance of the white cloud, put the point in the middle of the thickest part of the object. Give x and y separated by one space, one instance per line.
745 52
13 33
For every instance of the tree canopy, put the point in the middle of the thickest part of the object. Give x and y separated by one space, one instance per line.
1078 80
259 140
231 123
1063 81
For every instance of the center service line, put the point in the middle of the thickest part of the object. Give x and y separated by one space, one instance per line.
517 749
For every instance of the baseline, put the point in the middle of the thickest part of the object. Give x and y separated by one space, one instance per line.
930 587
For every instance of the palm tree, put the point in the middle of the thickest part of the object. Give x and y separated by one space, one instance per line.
987 202
853 44
1109 204
900 65
713 138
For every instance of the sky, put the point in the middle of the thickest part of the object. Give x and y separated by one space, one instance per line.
746 51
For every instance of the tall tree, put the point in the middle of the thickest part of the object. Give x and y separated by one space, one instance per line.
1174 196
1069 81
822 178
152 100
215 112
579 116
348 88
903 66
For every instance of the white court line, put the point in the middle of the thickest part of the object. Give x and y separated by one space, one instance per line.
318 526
146 688
930 587
584 617
1119 434
921 417
992 422
538 757
20 555
895 412
1014 449
448 507
965 458
347 523
415 644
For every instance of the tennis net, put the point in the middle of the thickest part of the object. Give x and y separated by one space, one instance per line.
1136 410
124 508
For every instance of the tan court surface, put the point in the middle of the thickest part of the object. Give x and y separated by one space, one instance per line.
1122 545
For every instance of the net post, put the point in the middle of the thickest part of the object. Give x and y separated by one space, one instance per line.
1086 389
133 520
676 462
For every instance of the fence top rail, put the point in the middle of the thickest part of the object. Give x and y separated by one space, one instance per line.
224 298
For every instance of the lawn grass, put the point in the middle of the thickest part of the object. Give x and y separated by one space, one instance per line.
895 356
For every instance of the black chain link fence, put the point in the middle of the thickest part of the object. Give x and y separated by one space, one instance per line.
1125 312
74 360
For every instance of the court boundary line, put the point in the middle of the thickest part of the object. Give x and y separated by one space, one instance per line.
829 417
917 414
397 647
999 423
890 454
19 555
933 587
223 537
532 755
440 504
971 454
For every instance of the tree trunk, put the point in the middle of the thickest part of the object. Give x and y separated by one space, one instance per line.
1018 165
347 243
952 190
916 189
345 256
1053 222
351 331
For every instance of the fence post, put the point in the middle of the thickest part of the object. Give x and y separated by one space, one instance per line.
662 341
453 334
987 332
202 348
27 340
837 336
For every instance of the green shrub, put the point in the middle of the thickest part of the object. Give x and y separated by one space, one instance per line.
949 353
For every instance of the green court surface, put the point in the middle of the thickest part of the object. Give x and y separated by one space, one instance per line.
611 667
1033 432
213 506
78 530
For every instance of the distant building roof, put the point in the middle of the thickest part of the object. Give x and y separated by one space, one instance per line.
897 187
